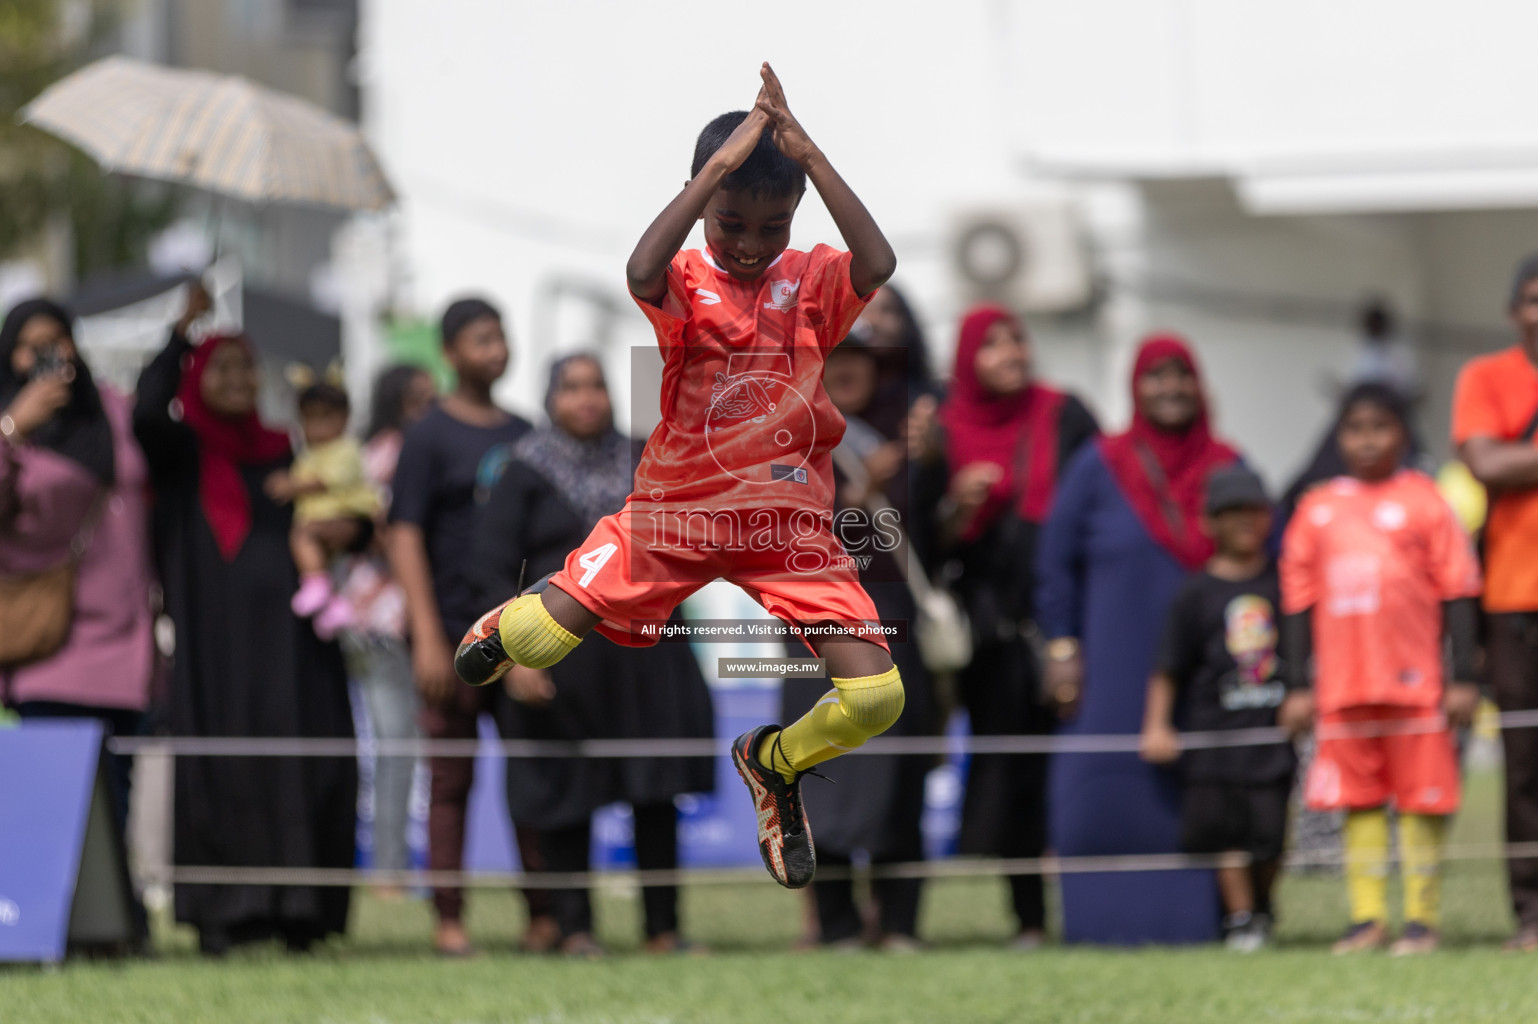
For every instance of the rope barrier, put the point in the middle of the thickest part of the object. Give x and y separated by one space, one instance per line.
964 867
257 746
960 867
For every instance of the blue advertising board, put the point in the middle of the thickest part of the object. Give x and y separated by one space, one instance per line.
49 771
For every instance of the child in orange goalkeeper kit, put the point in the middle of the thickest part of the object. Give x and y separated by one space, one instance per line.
736 481
1376 572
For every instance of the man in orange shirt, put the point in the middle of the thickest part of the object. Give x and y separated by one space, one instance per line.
736 481
1495 418
1376 571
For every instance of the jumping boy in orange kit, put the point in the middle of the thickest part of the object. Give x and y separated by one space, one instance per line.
736 481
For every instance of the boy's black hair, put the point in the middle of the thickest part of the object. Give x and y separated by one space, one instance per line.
1527 271
325 396
461 313
766 171
1379 394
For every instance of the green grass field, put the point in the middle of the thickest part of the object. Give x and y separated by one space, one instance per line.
383 974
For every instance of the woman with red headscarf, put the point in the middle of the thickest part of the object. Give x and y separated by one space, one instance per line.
1123 535
244 665
993 466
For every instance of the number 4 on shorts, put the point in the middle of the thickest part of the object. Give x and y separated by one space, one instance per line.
594 560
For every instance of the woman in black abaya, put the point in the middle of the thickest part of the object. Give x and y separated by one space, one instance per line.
244 665
561 480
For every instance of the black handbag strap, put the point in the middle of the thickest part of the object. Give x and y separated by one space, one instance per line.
1172 514
1022 466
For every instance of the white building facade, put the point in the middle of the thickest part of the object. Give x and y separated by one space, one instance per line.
1246 173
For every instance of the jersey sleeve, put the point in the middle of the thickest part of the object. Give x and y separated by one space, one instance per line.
837 302
1299 565
1454 567
1476 413
670 317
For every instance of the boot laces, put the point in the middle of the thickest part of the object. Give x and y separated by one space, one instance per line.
793 791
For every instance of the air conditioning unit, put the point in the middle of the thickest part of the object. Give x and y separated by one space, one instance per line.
1030 257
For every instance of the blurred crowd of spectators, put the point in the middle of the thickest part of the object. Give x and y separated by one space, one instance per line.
1122 583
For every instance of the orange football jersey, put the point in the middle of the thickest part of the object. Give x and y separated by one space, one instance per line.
1375 562
745 421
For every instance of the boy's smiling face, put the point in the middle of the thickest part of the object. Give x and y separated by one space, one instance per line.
745 230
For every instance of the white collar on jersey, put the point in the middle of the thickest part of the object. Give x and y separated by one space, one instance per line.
705 252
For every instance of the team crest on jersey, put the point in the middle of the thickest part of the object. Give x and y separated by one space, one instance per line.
783 295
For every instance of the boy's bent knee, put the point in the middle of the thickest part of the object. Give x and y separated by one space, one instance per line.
531 637
872 703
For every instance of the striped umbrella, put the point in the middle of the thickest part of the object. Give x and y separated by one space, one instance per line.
216 132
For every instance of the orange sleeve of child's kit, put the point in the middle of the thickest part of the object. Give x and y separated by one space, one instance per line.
833 293
670 317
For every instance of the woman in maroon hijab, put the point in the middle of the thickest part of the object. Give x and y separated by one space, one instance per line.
1123 534
244 665
993 466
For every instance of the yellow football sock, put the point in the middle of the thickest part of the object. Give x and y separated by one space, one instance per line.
1420 851
1366 840
531 637
846 716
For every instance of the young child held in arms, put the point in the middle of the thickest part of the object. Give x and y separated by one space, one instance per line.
1376 575
1218 665
331 495
736 481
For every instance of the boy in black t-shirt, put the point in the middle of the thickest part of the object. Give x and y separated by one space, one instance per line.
1218 664
448 460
